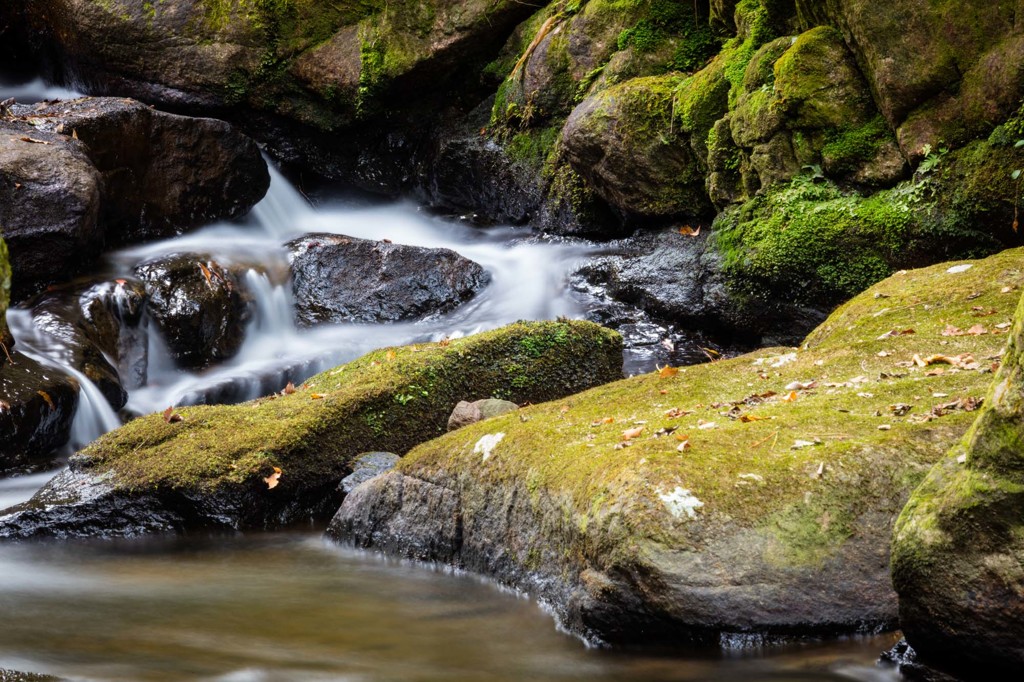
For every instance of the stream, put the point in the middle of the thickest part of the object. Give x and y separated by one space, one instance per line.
290 606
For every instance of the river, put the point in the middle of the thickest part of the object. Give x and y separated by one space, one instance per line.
288 605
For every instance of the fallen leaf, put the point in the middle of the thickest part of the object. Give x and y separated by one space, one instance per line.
33 140
1003 325
289 389
894 333
900 409
564 409
48 399
976 330
666 371
207 274
675 413
604 420
315 396
273 479
172 417
1006 290
790 397
801 444
629 434
801 385
746 418
684 445
688 231
703 425
884 427
444 342
120 282
391 355
665 431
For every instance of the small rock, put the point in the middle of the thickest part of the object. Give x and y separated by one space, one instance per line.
466 413
365 467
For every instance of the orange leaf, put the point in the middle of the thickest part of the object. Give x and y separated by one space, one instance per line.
684 445
121 282
391 355
745 418
171 417
289 389
206 273
605 420
977 330
444 342
630 434
790 397
666 371
273 479
688 231
315 396
675 413
48 399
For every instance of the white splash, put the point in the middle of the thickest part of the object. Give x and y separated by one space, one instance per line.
681 501
486 444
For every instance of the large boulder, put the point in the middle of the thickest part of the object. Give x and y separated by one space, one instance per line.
49 204
198 305
941 72
279 459
344 279
92 171
751 495
958 546
624 142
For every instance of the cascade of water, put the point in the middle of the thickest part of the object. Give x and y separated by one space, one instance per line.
283 211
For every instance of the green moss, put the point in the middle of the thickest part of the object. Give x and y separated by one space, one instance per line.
388 400
534 146
849 148
807 501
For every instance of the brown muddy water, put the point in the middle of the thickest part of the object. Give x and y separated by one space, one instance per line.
267 607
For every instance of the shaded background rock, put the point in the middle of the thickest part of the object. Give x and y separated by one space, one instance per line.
466 413
198 305
344 279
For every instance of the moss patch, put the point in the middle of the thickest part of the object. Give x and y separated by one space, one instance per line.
388 400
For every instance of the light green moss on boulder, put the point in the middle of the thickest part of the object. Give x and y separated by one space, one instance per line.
388 400
777 518
958 546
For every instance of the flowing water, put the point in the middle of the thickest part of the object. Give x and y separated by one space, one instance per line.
276 606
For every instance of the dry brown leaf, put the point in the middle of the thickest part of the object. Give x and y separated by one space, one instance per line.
390 355
976 330
790 397
688 231
273 479
603 420
444 342
630 434
48 399
289 389
316 396
171 417
894 333
33 140
684 444
207 274
675 413
746 418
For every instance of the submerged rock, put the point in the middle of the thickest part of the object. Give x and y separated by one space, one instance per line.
198 305
37 405
958 552
344 279
750 495
279 459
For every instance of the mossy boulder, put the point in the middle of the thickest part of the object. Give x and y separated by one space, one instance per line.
624 141
957 548
213 466
775 518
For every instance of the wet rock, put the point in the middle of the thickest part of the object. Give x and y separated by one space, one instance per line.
75 175
49 205
343 279
679 279
643 539
16 676
957 546
214 467
366 466
5 298
466 413
162 173
198 305
37 404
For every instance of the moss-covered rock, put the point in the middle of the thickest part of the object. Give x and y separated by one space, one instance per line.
625 142
775 518
210 468
957 548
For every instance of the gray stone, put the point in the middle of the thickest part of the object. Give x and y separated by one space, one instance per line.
466 413
366 466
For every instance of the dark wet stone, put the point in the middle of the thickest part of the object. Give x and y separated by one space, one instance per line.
37 405
343 279
366 466
198 305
